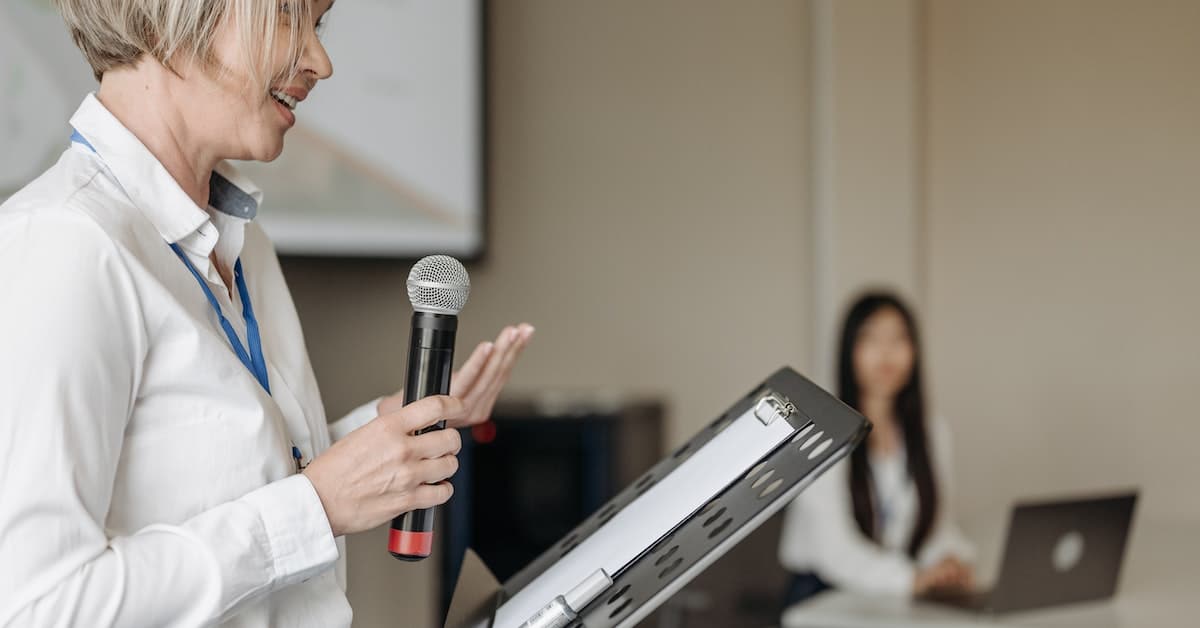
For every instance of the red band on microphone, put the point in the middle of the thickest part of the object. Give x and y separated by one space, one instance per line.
410 543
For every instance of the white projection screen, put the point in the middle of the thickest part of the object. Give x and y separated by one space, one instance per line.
386 158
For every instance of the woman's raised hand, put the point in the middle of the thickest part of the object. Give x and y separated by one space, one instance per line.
482 377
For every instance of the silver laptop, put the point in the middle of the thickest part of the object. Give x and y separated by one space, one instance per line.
1057 552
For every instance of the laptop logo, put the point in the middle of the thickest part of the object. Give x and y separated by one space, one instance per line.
1068 551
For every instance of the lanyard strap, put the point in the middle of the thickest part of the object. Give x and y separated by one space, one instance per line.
253 359
77 138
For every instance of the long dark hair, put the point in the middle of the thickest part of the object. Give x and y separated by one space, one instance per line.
910 413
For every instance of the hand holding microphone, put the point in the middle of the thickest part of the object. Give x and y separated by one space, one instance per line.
438 287
383 468
394 464
398 463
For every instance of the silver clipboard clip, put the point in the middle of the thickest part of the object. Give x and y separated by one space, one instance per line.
774 406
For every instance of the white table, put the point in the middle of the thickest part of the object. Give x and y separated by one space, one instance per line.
1160 588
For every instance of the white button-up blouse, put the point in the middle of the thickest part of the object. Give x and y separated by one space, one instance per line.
821 536
146 477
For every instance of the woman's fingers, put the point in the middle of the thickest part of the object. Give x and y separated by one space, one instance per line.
480 379
425 412
505 342
503 371
485 385
460 384
384 468
435 444
953 574
436 470
429 495
464 380
958 574
943 575
501 364
964 577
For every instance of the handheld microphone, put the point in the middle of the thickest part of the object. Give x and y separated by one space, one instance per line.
438 287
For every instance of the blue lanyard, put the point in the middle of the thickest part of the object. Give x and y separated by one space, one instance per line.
253 358
79 139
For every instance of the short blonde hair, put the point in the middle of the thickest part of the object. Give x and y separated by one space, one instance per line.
117 33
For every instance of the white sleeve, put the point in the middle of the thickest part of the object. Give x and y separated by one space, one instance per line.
946 538
72 341
355 419
820 535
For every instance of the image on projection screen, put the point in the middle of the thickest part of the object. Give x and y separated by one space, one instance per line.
384 160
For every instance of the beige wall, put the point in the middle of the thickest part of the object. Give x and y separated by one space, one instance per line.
648 215
1063 182
650 167
865 167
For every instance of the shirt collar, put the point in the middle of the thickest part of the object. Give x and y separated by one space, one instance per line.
229 192
152 189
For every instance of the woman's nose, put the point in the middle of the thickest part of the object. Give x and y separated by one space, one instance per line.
316 61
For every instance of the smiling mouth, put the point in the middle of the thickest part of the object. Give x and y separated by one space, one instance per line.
284 99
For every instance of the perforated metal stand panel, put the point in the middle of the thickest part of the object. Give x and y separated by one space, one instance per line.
825 430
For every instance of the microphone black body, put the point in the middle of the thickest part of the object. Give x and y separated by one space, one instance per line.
430 362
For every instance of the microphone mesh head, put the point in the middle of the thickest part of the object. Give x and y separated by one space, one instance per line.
438 284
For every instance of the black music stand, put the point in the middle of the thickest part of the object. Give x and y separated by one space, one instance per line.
695 505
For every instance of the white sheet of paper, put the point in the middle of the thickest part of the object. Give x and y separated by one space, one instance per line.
636 528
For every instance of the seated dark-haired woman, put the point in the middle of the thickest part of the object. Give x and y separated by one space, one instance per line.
880 522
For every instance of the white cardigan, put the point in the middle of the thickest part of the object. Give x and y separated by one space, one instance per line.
820 534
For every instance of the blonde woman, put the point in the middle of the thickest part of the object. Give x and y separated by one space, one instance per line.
164 456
